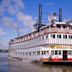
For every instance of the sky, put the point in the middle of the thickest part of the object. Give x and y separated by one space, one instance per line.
21 15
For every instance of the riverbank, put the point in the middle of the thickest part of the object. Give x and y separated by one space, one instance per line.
4 51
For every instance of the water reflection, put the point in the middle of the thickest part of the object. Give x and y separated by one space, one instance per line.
3 62
21 66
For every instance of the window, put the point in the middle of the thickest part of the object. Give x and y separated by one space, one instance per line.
64 26
46 36
43 52
65 36
55 52
70 52
53 36
59 52
58 26
23 53
58 36
38 52
70 36
29 53
47 51
52 52
42 37
26 53
34 53
70 27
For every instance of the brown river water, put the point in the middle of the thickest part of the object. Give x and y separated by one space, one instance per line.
22 66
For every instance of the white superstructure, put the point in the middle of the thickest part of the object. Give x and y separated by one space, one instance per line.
52 43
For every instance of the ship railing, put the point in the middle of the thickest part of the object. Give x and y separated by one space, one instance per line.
57 30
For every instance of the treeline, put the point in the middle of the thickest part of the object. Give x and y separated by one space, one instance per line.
4 51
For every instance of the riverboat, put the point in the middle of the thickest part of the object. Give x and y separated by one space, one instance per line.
48 43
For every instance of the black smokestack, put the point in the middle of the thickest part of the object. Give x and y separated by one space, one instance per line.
40 16
54 14
60 15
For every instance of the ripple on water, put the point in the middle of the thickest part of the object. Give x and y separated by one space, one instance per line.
20 66
3 62
23 66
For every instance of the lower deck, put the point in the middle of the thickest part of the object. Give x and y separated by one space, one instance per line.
43 54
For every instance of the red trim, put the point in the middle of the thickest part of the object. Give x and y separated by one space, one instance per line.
61 60
57 59
69 59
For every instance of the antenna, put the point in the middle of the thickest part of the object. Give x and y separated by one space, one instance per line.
18 31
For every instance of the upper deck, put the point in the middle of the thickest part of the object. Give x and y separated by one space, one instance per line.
58 27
